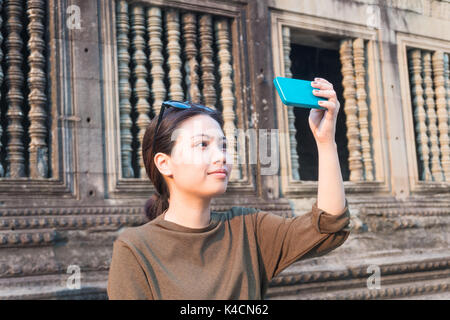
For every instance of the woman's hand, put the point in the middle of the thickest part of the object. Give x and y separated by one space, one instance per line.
323 122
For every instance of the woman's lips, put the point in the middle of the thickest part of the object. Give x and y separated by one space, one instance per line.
219 174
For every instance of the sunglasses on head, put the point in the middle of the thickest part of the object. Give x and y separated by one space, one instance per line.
175 104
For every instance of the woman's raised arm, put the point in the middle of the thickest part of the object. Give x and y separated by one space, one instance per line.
331 192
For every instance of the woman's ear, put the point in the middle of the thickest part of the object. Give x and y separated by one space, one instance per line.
162 162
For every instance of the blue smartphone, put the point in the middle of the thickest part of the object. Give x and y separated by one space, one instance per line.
297 93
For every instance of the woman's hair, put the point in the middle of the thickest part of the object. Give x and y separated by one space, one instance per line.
164 143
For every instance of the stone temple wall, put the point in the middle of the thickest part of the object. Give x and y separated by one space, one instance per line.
80 80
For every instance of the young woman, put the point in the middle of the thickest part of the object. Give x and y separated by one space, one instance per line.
188 251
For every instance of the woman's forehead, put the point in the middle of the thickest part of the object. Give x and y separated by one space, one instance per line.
200 126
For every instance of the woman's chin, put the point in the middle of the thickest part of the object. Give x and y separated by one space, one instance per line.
218 190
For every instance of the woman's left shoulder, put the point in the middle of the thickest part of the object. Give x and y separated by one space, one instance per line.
136 234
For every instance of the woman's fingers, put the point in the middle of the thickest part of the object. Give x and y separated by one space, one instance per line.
324 89
332 103
322 84
331 106
321 80
332 109
325 93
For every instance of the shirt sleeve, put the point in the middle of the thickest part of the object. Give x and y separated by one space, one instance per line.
126 279
282 241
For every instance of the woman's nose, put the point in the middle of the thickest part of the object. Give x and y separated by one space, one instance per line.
220 154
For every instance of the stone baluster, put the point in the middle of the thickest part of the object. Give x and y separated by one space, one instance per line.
227 96
174 50
207 65
156 57
37 98
363 110
141 90
2 171
190 49
436 170
350 109
447 93
415 69
442 113
123 56
447 84
14 82
286 33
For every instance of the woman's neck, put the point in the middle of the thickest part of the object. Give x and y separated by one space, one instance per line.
191 213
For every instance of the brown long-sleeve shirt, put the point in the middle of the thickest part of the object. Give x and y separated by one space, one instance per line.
234 257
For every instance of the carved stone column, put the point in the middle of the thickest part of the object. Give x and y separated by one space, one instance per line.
227 96
442 112
141 90
174 50
436 170
415 69
14 81
2 171
36 98
351 111
190 49
290 110
123 56
363 110
447 93
447 83
207 65
154 26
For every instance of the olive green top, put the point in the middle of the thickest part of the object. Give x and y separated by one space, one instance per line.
234 257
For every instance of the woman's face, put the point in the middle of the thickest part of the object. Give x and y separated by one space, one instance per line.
199 150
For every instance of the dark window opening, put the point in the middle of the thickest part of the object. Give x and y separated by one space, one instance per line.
308 63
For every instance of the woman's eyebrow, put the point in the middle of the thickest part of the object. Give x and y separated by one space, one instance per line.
207 136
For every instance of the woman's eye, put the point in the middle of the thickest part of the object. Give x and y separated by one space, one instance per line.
202 143
205 144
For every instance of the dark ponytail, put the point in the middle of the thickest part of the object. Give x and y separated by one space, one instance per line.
172 118
155 205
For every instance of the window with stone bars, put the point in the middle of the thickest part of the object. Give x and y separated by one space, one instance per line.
429 82
24 117
343 62
168 53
